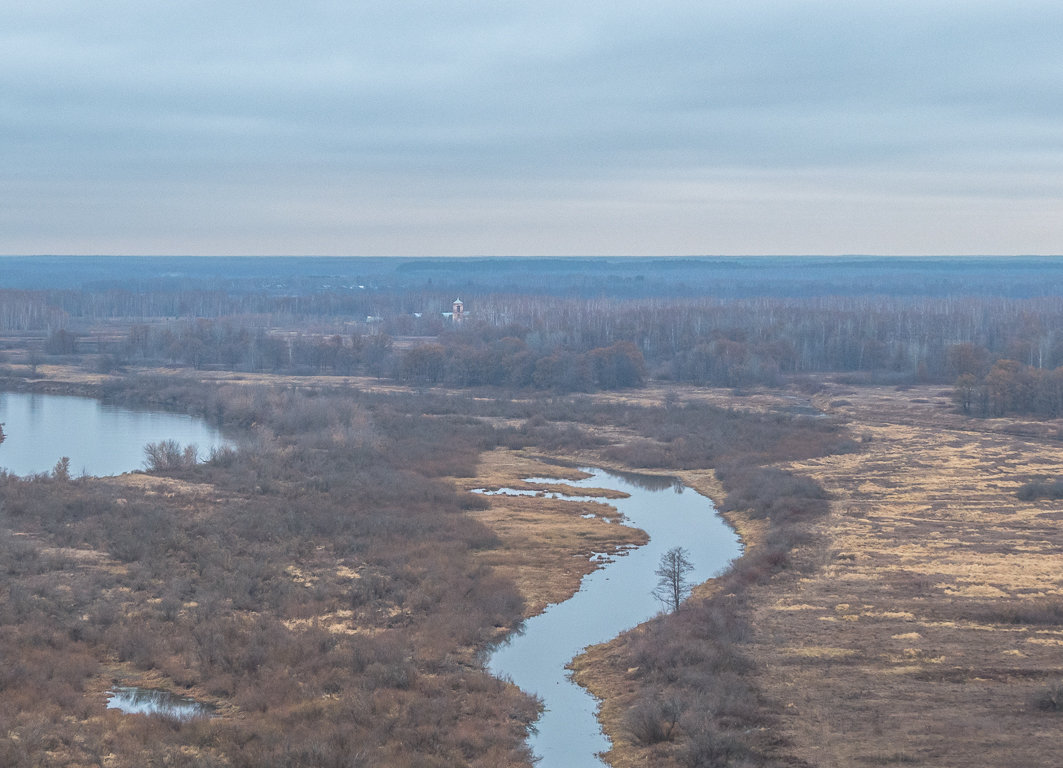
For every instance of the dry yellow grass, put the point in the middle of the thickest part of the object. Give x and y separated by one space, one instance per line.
883 655
546 543
76 375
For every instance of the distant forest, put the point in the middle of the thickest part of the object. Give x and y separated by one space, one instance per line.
991 326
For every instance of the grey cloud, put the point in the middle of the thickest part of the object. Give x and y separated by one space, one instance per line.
268 100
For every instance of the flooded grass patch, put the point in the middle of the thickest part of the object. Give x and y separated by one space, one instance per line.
133 700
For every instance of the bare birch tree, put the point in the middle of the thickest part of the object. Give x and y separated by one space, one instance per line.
673 583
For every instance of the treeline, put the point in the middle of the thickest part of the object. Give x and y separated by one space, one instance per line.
485 357
732 343
624 277
39 310
29 311
510 362
1009 387
704 341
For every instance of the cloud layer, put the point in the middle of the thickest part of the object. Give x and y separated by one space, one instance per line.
430 128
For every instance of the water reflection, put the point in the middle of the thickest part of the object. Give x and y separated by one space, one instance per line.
648 482
36 405
637 479
149 701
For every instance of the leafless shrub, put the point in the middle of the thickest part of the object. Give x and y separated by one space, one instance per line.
61 470
222 456
168 455
651 721
708 748
398 674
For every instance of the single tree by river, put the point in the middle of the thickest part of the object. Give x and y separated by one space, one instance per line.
673 583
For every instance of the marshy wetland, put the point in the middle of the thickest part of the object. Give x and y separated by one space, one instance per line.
332 586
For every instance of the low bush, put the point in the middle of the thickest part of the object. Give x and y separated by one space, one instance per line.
1040 489
1033 612
169 455
707 748
652 721
1050 698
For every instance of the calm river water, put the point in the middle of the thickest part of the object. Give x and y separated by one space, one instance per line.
610 600
99 439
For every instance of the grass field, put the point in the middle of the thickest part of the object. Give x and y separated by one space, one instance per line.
928 628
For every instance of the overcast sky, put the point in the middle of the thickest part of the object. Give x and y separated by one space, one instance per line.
612 127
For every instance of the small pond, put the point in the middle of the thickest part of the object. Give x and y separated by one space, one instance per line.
149 701
610 600
99 439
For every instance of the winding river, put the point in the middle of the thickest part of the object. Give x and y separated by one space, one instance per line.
98 439
610 600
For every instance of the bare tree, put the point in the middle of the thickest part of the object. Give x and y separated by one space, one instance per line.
1 433
673 584
167 455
